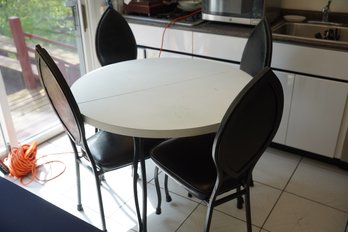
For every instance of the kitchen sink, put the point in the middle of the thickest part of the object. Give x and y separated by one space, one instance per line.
313 31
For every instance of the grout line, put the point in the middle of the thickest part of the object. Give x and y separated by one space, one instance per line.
239 219
183 222
268 185
282 191
317 202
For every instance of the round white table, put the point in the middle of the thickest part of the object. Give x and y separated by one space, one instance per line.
158 98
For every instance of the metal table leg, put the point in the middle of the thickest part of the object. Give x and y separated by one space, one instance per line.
140 157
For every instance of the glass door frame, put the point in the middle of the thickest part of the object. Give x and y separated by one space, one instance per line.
7 128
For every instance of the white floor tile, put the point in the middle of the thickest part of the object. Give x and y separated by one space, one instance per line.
263 199
275 167
57 171
173 214
61 143
321 182
220 222
293 213
116 190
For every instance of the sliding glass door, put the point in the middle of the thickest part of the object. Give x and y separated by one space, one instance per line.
3 148
54 24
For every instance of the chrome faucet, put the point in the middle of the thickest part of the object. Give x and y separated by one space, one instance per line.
326 11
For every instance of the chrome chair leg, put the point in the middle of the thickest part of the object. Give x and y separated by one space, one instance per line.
158 191
209 212
247 209
78 177
102 177
240 200
168 197
100 200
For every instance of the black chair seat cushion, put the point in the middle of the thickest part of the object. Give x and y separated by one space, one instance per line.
189 161
24 211
113 150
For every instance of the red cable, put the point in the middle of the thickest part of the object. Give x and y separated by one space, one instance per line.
173 22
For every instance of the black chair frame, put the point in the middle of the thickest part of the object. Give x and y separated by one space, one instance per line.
225 161
256 56
257 52
67 110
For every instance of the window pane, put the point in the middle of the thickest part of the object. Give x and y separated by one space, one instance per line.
23 24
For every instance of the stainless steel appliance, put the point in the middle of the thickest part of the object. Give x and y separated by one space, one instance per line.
240 11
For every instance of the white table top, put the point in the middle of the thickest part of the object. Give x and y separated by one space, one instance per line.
159 98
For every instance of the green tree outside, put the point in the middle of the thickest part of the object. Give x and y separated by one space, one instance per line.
48 18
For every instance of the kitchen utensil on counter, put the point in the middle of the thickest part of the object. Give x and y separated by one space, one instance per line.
189 5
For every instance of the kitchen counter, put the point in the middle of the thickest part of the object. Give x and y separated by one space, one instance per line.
243 31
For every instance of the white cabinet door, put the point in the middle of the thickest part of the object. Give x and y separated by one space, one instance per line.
218 46
141 53
316 114
287 81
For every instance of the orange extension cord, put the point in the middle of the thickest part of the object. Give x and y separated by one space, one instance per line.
22 161
173 22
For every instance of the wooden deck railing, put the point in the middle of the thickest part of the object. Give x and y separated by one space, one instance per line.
65 55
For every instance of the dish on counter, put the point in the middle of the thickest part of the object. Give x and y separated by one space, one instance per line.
189 5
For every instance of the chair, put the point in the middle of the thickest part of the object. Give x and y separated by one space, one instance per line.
208 166
103 151
114 39
115 42
257 55
24 211
257 52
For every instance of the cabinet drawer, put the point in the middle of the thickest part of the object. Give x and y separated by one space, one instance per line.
174 40
217 46
315 61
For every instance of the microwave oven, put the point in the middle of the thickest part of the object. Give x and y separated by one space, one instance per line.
248 12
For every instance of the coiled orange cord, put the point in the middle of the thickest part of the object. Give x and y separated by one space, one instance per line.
22 161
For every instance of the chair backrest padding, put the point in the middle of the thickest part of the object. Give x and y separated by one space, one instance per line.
59 95
249 125
257 53
114 39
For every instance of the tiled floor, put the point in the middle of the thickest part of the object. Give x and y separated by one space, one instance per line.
291 193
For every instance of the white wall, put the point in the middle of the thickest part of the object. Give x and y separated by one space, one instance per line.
316 5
